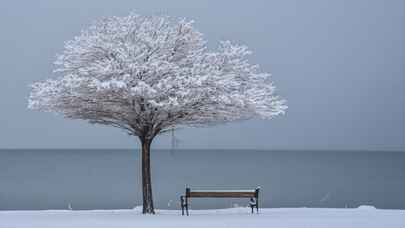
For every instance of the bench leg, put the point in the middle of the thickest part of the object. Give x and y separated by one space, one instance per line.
182 204
254 203
187 209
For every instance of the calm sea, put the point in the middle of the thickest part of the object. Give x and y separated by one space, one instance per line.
107 179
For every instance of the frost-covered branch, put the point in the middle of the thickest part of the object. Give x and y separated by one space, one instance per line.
147 74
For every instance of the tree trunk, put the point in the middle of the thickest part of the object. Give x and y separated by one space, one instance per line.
146 179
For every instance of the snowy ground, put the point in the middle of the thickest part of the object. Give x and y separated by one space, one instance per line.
236 217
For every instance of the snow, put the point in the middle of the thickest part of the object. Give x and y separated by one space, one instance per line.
365 216
150 74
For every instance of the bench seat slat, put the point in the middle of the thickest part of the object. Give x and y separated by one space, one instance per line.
209 190
222 194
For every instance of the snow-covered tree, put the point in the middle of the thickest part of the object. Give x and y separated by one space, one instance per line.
150 74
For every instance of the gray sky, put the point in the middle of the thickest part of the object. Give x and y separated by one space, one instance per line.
340 65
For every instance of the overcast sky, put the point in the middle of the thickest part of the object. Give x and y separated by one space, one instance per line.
340 64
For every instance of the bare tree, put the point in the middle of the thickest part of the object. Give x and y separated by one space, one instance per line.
150 74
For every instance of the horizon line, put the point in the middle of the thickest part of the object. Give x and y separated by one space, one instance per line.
223 149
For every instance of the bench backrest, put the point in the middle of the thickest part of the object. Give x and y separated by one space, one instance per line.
222 193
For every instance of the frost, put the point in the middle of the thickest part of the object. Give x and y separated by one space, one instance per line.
149 74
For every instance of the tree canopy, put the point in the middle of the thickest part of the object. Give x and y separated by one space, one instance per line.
148 74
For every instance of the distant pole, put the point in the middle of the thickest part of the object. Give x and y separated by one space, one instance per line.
173 142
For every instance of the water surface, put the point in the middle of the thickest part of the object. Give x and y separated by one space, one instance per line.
108 179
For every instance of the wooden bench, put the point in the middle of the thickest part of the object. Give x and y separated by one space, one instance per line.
252 194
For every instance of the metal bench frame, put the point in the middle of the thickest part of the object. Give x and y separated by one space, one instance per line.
252 194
